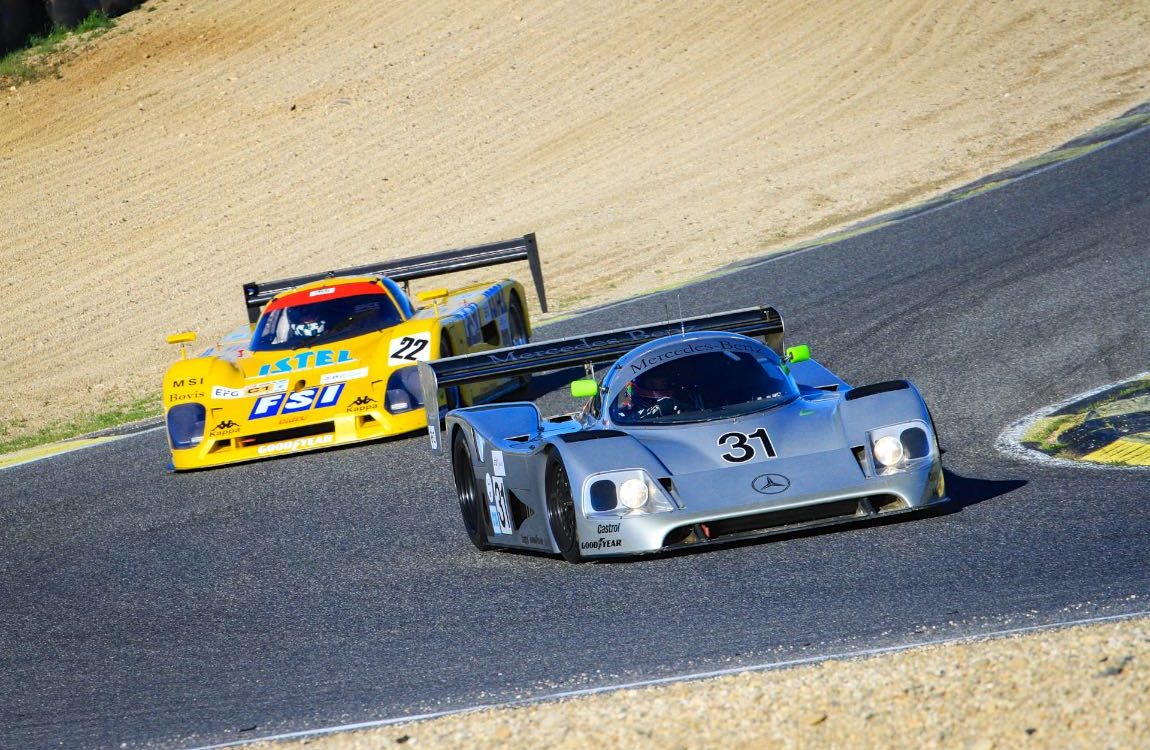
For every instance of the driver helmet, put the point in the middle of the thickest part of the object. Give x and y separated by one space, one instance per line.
654 385
307 323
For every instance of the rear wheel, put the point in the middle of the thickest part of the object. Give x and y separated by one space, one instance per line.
470 501
561 509
516 322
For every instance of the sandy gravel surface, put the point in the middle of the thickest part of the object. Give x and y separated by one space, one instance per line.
1085 687
204 144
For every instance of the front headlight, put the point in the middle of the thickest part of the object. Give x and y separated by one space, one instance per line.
186 425
403 392
900 447
888 450
633 493
615 494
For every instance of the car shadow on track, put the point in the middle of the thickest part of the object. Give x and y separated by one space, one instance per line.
967 491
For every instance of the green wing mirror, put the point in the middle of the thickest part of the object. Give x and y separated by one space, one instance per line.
800 353
584 388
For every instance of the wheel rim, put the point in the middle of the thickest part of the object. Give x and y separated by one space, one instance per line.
561 507
518 328
465 486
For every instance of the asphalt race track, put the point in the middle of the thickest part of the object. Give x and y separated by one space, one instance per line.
147 608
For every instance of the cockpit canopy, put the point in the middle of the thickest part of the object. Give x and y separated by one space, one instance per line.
321 315
702 385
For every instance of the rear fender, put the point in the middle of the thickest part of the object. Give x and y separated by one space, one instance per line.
509 426
504 444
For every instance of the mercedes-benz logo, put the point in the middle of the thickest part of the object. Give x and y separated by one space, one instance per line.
770 484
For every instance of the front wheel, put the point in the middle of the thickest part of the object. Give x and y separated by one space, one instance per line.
561 510
471 505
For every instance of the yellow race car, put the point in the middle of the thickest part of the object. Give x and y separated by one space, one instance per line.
330 358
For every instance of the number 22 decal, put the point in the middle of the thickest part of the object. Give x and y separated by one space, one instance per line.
741 447
409 349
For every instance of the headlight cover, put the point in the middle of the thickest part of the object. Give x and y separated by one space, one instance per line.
186 425
900 447
624 494
403 392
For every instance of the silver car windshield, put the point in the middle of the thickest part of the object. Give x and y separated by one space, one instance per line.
702 387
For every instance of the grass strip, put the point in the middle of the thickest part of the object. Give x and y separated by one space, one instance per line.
38 58
111 416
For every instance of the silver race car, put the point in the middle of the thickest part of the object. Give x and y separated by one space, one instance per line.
702 430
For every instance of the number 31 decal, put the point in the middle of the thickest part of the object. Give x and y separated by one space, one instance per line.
409 349
741 448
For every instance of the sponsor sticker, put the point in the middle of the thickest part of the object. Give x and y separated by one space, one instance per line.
307 360
288 446
470 315
362 404
271 386
497 463
342 377
600 543
496 304
259 389
750 347
497 506
284 404
321 292
224 428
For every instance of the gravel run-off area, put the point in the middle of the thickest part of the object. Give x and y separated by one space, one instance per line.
1079 687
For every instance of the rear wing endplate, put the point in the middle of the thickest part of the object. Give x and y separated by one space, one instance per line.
594 348
257 294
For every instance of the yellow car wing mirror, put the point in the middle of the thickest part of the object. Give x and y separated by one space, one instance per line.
434 296
183 339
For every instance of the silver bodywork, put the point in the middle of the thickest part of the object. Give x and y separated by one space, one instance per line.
819 468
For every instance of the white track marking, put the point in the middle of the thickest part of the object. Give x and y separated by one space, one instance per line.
51 450
1009 441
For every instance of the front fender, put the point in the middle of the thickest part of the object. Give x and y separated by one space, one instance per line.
590 452
878 407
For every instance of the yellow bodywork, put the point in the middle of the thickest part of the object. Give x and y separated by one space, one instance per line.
261 404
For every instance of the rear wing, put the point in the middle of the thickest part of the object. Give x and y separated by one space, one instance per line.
594 348
258 294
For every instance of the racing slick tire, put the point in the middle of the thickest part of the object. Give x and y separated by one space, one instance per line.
518 335
470 500
515 321
561 509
